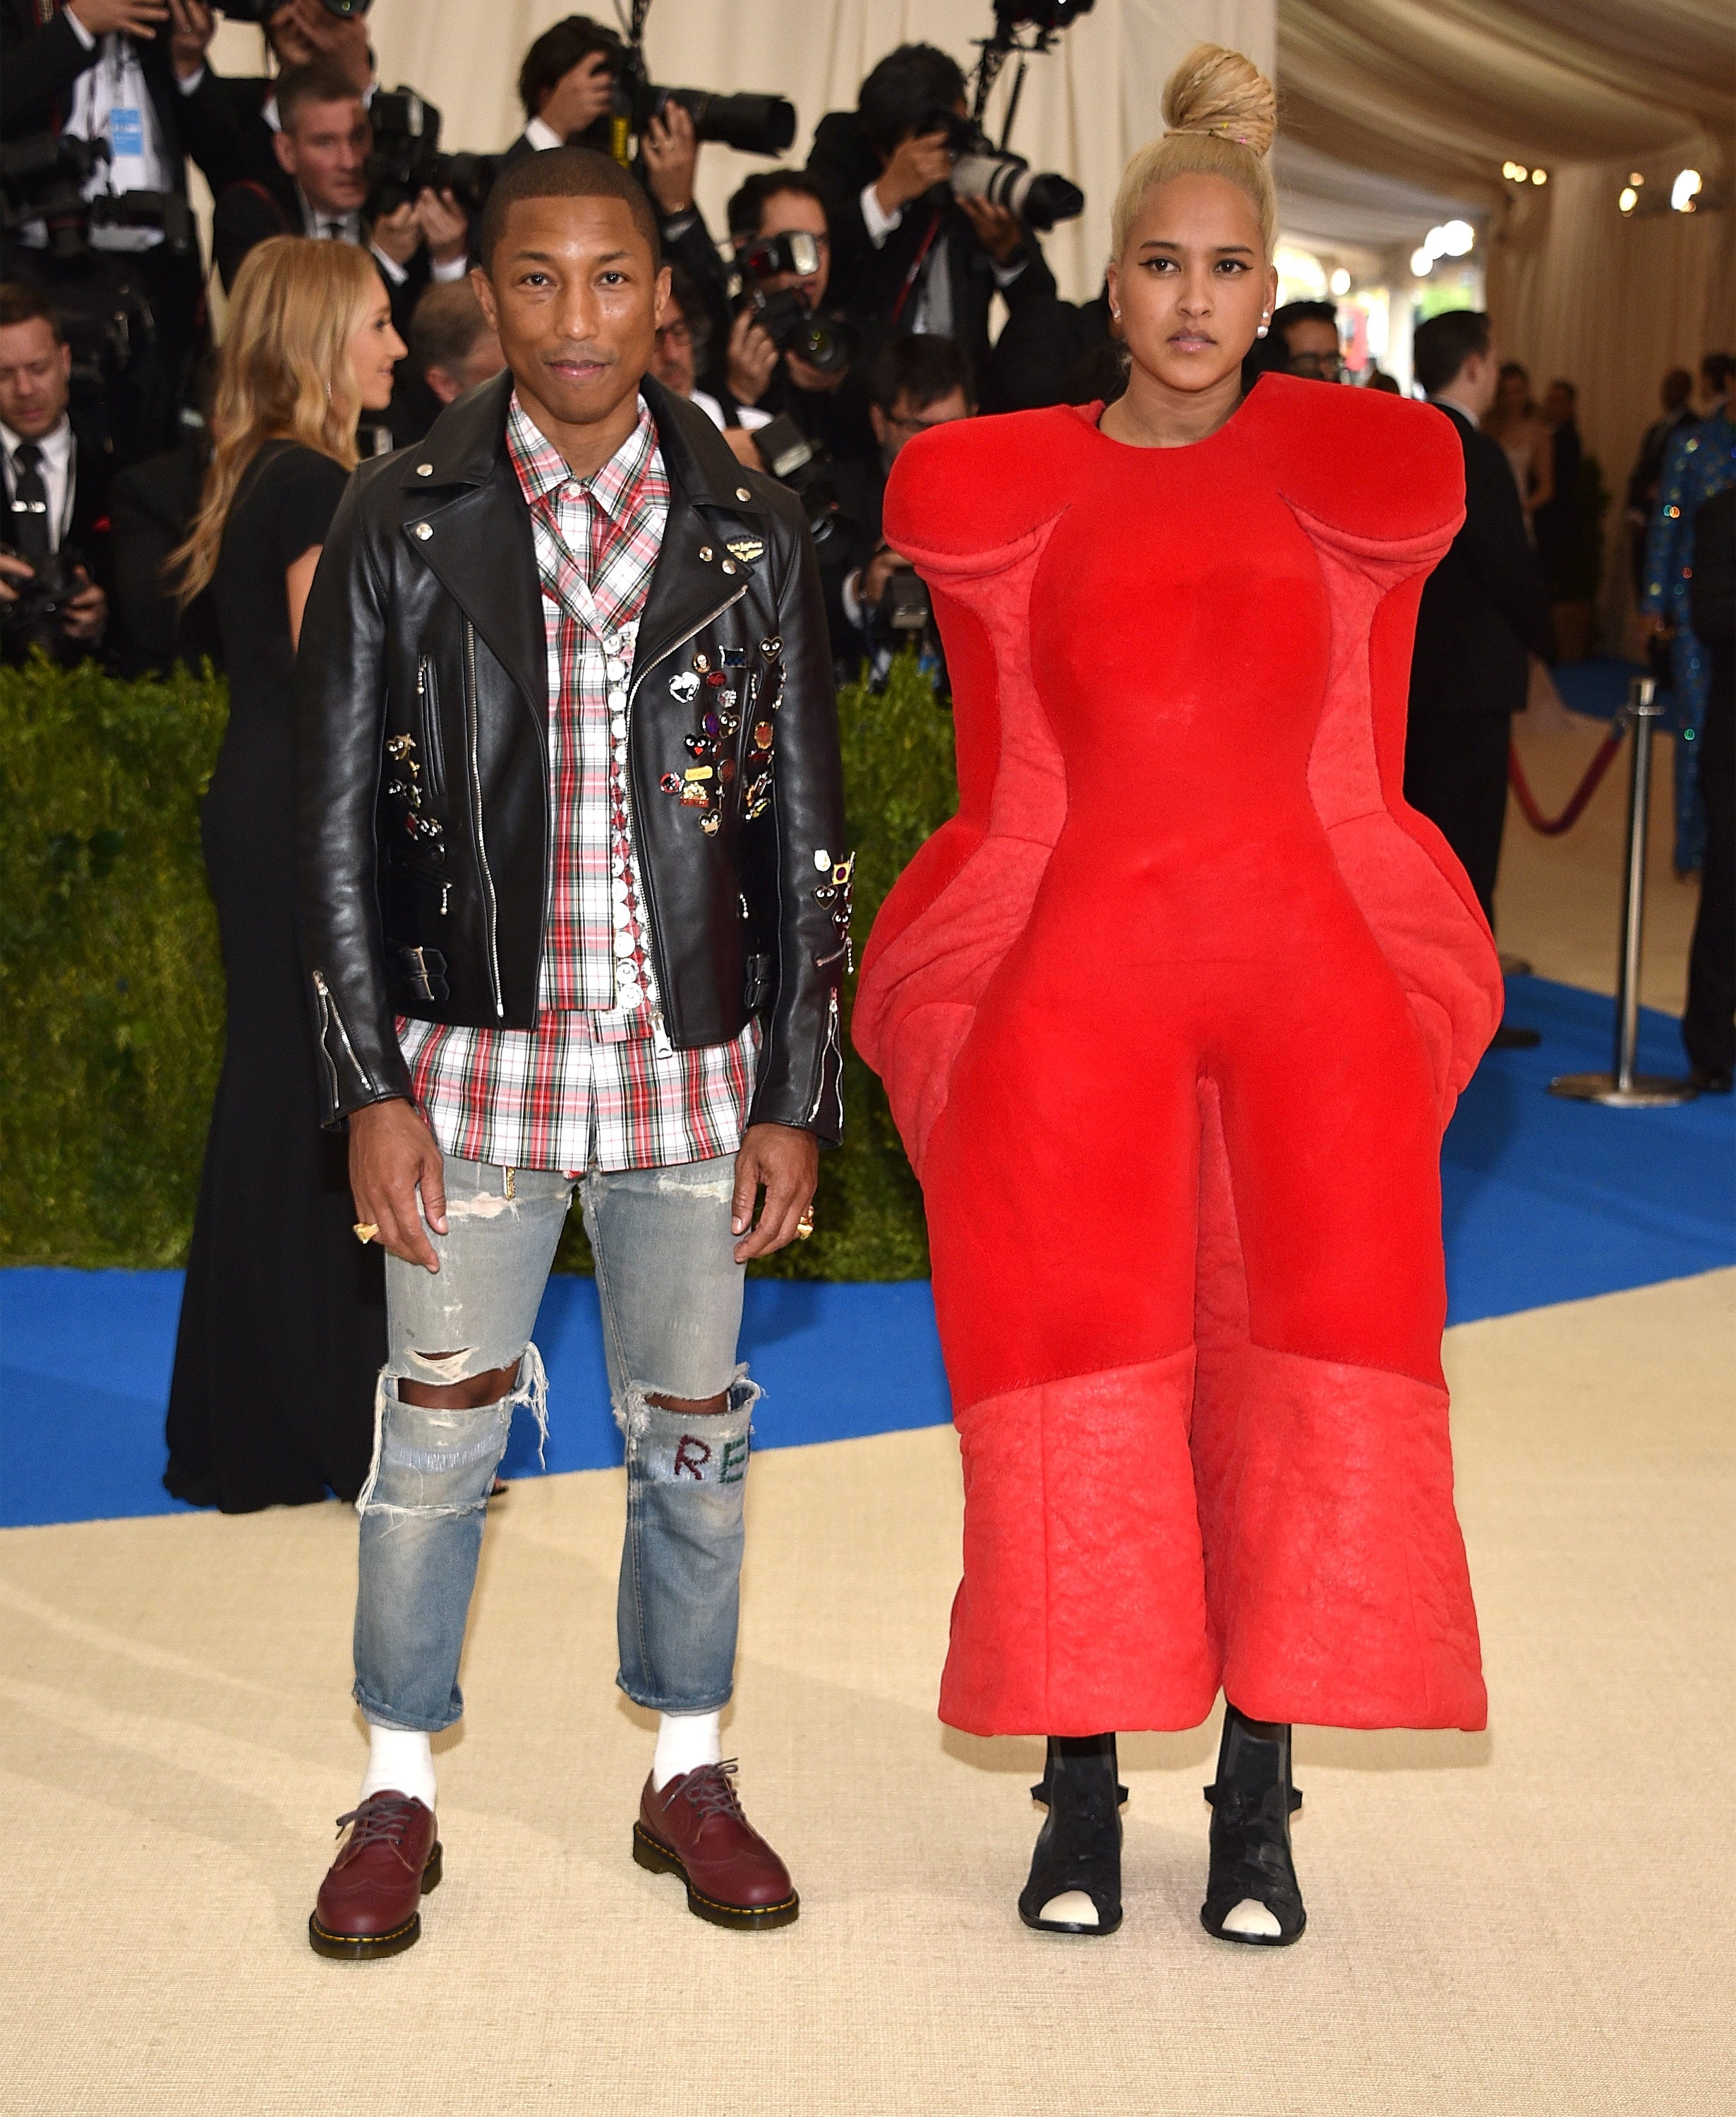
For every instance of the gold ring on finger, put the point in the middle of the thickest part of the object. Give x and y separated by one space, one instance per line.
366 1231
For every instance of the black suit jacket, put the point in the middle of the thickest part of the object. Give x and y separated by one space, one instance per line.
39 68
1483 610
867 282
152 507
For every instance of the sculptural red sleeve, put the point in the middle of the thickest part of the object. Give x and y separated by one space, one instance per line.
1408 885
965 898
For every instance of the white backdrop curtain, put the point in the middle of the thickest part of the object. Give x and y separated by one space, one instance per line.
1086 105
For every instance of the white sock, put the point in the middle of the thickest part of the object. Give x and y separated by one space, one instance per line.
685 1740
400 1761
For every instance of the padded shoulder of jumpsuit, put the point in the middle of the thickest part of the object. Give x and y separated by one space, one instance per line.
1368 465
976 490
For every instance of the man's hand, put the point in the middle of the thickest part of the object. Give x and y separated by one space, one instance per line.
343 43
740 445
83 616
806 376
397 234
916 165
443 225
671 148
786 1161
875 575
392 1155
750 359
135 18
997 228
193 25
13 569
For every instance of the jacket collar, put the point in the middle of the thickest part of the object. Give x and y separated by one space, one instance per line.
467 444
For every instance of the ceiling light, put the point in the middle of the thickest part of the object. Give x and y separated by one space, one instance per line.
1422 263
1340 282
1458 236
1684 190
1435 242
1516 173
1629 199
1635 179
1540 176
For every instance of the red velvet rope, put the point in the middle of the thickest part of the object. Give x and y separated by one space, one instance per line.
1552 827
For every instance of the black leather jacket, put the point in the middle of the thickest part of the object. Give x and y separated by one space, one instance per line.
424 784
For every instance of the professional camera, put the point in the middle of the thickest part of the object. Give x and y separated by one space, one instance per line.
906 609
982 170
33 619
794 461
826 343
750 124
42 180
406 159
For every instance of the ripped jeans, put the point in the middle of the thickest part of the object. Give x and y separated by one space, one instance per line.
671 1295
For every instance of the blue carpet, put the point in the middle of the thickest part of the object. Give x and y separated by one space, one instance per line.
1544 1200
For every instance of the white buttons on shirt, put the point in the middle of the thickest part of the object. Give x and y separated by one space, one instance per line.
617 700
615 669
618 726
623 944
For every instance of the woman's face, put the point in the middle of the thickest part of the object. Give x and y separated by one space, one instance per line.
1511 393
374 350
1193 282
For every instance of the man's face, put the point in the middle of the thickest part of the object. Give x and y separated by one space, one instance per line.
672 362
789 213
484 359
1558 406
574 295
34 379
326 152
905 421
1312 346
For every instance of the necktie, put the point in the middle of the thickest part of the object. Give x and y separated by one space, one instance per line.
333 230
30 537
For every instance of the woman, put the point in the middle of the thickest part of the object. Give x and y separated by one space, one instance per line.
1526 443
1172 1016
283 1323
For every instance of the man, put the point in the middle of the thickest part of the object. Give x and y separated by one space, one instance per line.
56 518
101 70
908 255
229 123
1305 334
452 342
1677 412
1482 615
565 84
575 911
830 405
918 382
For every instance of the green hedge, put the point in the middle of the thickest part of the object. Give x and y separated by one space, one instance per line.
111 992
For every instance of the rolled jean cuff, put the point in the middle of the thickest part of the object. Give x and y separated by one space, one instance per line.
379 1715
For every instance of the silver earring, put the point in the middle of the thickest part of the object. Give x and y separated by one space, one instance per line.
1261 332
1116 314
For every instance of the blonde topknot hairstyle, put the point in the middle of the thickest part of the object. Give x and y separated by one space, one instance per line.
1221 114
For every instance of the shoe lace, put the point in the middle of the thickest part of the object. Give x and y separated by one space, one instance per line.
711 1790
383 1818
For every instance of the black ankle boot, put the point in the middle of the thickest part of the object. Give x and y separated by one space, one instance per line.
1252 1803
1079 1845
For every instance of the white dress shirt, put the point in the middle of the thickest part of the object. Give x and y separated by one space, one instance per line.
59 475
110 101
930 308
350 228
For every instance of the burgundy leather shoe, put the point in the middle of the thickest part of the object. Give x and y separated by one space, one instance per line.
368 1903
694 1828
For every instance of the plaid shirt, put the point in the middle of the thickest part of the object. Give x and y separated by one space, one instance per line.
595 1083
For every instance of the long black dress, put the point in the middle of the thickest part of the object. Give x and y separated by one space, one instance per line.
283 1321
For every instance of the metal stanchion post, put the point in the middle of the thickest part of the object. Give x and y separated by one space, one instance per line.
1623 1088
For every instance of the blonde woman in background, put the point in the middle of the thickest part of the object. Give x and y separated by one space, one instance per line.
283 1321
1512 421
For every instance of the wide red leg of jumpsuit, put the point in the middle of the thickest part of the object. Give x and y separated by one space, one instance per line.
1283 1521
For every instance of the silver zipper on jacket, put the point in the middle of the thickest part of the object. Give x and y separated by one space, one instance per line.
830 1045
472 737
428 700
329 1018
660 1037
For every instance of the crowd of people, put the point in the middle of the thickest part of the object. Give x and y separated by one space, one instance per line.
484 965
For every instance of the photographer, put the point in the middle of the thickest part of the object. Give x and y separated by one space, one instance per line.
778 225
229 124
55 553
918 382
909 256
96 80
566 84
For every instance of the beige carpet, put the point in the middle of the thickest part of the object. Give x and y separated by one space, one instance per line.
1536 1919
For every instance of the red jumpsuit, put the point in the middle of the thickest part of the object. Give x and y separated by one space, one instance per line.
1171 1017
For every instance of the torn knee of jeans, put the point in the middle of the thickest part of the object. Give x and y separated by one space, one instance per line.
480 1205
693 1407
697 1439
